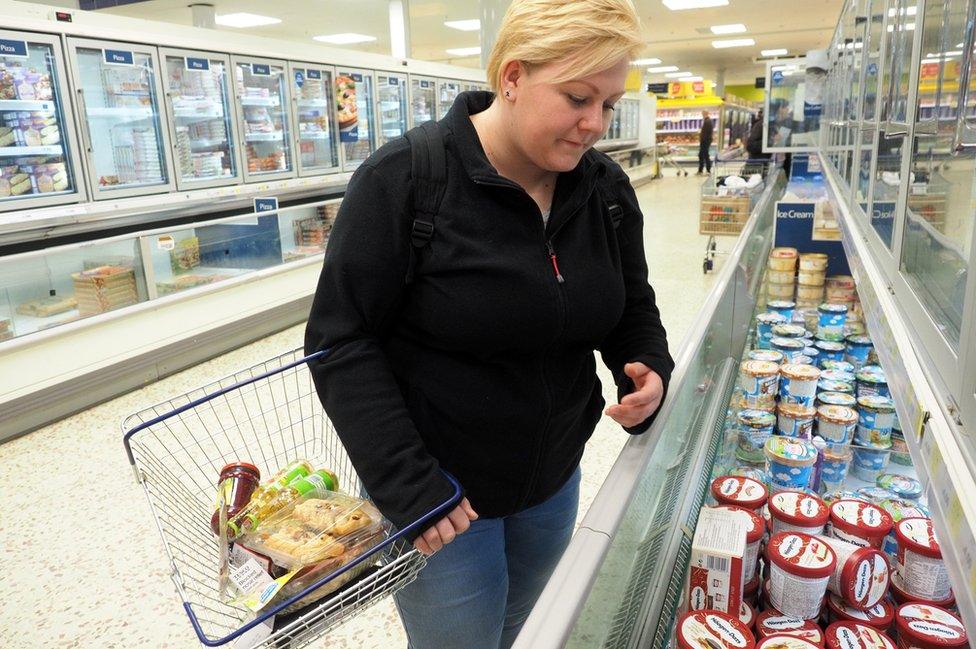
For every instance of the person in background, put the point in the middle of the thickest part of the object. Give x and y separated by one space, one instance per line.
705 143
754 144
483 364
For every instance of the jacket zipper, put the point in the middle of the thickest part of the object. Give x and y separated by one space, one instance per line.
555 262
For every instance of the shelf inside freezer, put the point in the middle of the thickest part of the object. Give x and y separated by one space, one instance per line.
204 143
274 136
190 115
267 102
10 151
26 104
313 103
320 135
120 112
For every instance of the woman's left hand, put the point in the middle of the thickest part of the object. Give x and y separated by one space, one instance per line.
643 401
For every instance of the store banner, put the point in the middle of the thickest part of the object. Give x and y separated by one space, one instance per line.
348 107
795 229
883 219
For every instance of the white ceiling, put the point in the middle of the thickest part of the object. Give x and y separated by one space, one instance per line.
680 38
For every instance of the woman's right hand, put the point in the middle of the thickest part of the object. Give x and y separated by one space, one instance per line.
444 531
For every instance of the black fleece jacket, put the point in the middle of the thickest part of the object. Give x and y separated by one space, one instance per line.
484 364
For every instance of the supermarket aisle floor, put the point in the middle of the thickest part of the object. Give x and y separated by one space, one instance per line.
83 564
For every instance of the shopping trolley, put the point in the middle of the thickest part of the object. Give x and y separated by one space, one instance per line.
724 208
269 415
665 155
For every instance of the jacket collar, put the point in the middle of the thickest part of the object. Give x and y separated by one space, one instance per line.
475 161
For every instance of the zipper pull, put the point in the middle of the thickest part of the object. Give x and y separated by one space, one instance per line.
555 262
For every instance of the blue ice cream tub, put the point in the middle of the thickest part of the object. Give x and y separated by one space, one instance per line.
843 366
858 350
875 418
836 465
791 347
871 381
870 461
755 427
785 308
826 385
789 330
836 399
902 486
768 355
813 354
838 375
764 328
798 384
833 317
874 495
830 350
790 462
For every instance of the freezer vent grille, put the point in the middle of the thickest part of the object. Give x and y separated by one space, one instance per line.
648 553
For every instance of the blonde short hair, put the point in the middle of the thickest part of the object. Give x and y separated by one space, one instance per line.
592 35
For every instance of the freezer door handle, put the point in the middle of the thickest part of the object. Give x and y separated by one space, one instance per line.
963 121
85 127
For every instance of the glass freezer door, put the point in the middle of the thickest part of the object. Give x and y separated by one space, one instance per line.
423 95
354 105
201 125
391 92
447 92
36 143
262 99
119 106
312 97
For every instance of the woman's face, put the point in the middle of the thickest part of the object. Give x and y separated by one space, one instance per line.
555 123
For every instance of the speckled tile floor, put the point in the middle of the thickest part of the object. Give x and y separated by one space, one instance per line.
84 567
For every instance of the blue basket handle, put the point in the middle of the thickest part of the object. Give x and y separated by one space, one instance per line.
435 513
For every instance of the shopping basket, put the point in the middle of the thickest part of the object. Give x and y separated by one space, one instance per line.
270 415
725 210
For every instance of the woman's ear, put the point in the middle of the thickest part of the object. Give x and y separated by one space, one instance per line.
512 75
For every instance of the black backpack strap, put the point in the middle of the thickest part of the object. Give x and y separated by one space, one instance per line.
429 175
614 209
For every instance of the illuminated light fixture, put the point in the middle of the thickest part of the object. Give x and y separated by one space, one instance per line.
935 60
907 11
645 62
733 42
667 68
682 5
242 20
677 75
471 25
909 27
344 39
737 28
774 52
696 78
780 68
464 51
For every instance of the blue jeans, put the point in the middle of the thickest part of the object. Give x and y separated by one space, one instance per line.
477 592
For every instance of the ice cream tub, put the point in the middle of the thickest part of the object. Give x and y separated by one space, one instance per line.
838 376
828 385
803 359
858 522
858 350
899 449
712 630
781 277
870 461
799 571
789 461
791 347
876 416
767 355
900 596
810 279
813 261
841 366
798 384
871 381
841 282
764 328
755 531
902 486
833 317
755 427
782 259
795 511
880 616
920 566
860 575
921 626
899 509
783 641
836 424
789 330
751 591
841 494
759 381
813 353
831 398
836 466
830 350
855 635
739 491
780 290
874 495
783 307
747 615
796 420
773 623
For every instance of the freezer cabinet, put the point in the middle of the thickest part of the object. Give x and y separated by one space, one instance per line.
39 163
265 119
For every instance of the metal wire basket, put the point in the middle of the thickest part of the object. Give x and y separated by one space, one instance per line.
270 415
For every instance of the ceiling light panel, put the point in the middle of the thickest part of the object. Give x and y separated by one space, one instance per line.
242 20
682 5
677 75
774 52
737 28
464 51
344 39
733 42
645 62
666 68
471 25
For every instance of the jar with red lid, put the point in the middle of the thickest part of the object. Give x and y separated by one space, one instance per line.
244 479
800 569
751 591
920 566
754 534
921 626
747 615
859 522
860 575
854 635
773 623
797 512
901 596
880 616
785 642
714 629
739 491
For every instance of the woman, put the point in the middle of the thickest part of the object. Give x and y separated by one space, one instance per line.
483 364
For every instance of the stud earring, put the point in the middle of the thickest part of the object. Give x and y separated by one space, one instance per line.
508 94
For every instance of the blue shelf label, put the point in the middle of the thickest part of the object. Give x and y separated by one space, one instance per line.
314 74
777 78
13 48
358 78
261 69
393 81
425 84
873 69
197 64
265 205
299 78
119 57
